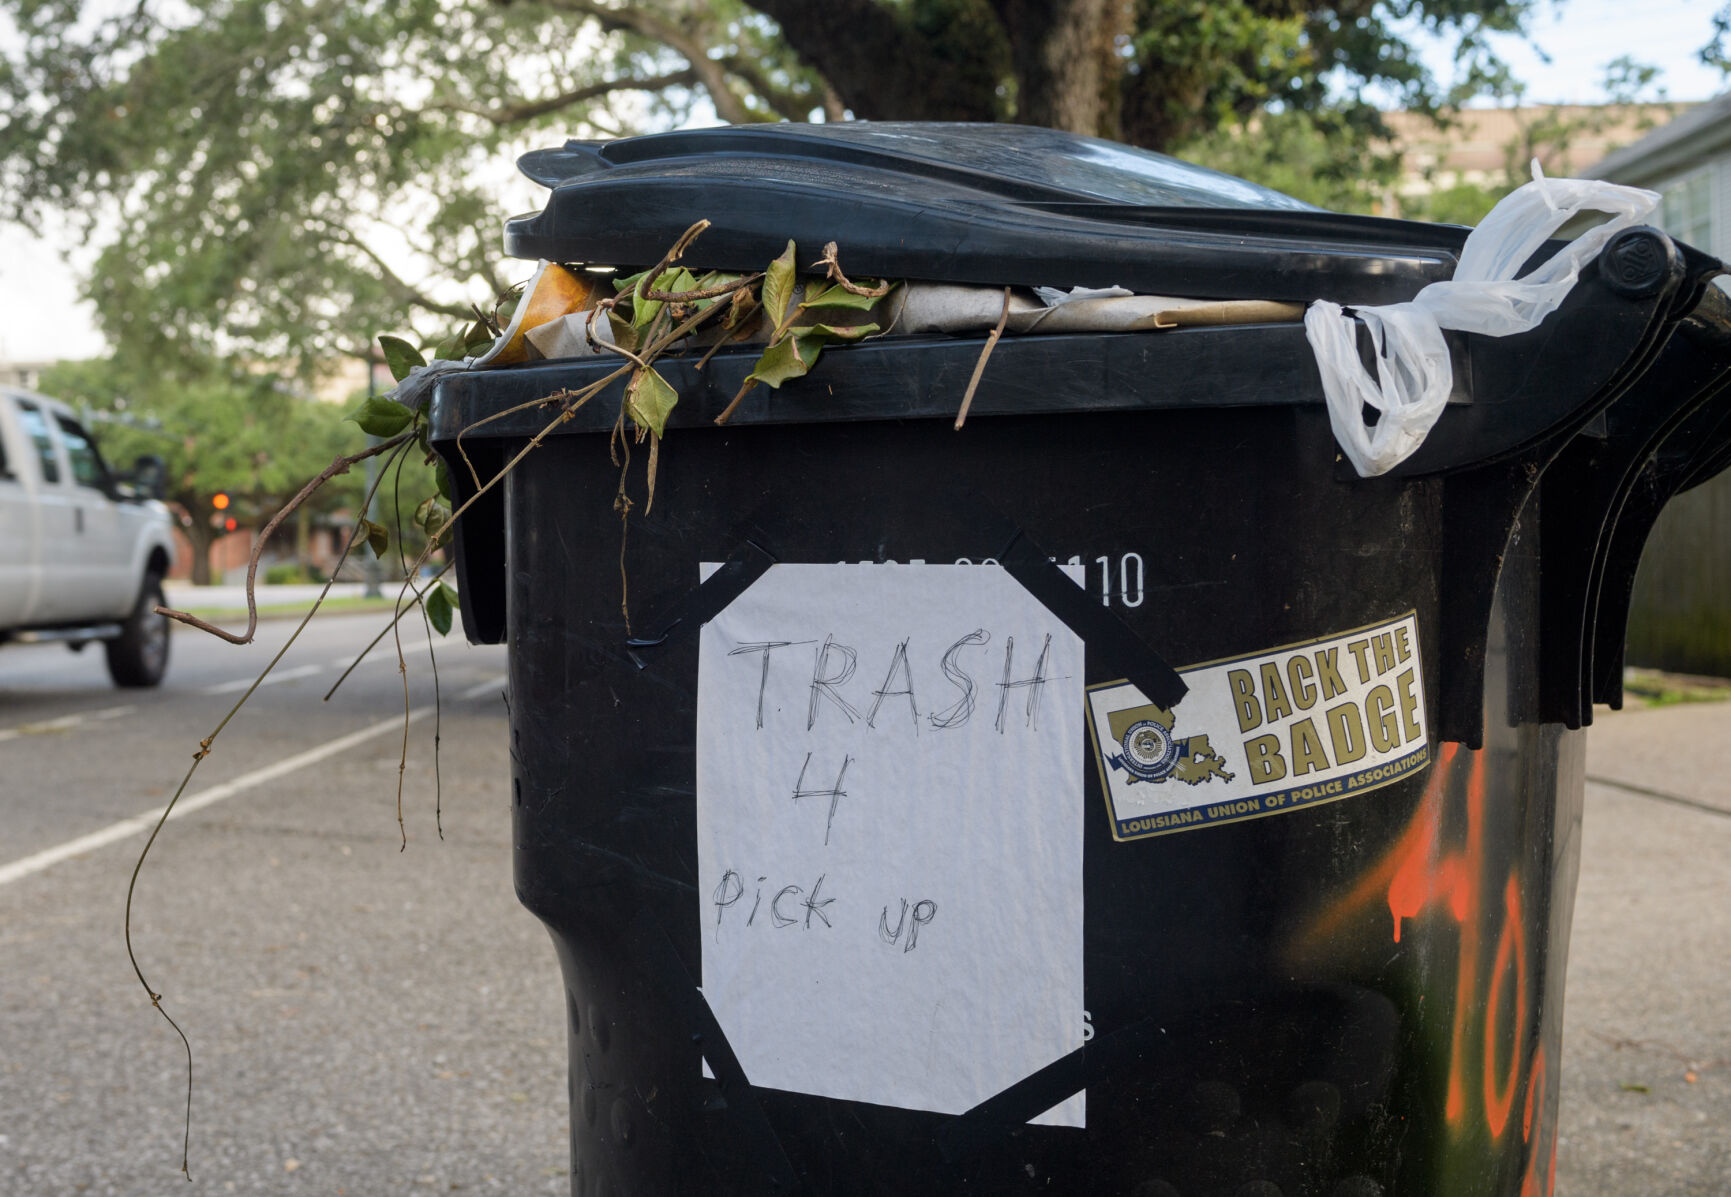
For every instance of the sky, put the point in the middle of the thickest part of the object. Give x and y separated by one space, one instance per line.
41 318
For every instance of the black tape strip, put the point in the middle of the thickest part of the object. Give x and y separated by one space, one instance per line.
759 1136
987 1123
970 1133
1108 638
745 565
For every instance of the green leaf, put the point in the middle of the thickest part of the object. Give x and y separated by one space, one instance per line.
451 349
432 516
839 296
710 281
778 283
649 400
624 335
622 285
439 610
477 338
382 417
400 356
442 480
645 310
789 358
377 536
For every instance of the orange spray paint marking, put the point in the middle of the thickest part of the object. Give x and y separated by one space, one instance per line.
1512 944
1464 907
1536 1099
1403 874
1417 876
1535 1093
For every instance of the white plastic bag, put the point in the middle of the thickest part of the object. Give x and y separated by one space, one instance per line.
1414 377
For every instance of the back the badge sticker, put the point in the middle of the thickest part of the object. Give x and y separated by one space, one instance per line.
1264 733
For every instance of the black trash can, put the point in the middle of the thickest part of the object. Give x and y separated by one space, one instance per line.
1117 796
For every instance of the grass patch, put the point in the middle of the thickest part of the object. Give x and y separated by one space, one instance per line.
1655 688
331 606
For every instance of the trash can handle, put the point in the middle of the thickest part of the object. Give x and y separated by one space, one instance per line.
1485 296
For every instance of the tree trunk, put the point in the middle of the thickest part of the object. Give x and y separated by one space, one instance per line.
941 60
303 539
200 535
1067 66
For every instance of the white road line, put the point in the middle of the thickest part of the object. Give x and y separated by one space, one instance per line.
287 675
139 824
63 723
386 651
491 684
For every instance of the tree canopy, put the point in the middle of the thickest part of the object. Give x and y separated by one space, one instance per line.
284 178
218 429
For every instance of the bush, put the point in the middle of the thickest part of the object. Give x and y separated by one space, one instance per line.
289 573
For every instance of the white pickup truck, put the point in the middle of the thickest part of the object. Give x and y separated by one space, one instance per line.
82 551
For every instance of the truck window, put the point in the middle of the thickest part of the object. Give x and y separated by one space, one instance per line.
30 416
87 465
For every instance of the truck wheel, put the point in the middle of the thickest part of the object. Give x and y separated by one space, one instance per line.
139 656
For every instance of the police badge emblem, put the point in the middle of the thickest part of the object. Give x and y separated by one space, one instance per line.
1152 753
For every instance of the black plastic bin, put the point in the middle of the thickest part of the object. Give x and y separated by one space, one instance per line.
1348 983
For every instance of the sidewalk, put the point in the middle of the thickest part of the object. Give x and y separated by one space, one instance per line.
1646 1096
185 595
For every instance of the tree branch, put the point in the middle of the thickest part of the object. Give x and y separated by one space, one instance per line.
511 114
884 67
781 100
394 282
339 466
681 40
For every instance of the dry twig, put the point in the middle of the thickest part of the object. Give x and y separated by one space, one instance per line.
339 466
980 366
832 262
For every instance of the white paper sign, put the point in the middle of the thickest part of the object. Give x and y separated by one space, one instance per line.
1265 733
889 822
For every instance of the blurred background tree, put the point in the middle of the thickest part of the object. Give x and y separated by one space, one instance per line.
284 178
222 429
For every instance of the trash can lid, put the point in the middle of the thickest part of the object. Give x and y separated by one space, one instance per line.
972 203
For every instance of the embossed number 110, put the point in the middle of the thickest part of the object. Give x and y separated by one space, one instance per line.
1130 579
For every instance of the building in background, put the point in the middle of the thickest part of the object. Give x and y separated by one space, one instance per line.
1680 618
1688 162
1454 171
25 375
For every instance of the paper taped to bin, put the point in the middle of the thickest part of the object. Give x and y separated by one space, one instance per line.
1265 733
890 823
957 309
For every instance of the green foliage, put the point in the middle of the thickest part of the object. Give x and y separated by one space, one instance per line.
287 573
1313 157
274 179
777 294
223 428
400 356
1463 203
649 400
381 417
440 604
376 536
1717 52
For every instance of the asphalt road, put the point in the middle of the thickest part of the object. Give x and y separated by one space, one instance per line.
374 1021
365 1020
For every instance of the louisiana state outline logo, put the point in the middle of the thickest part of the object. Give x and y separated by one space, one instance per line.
1152 753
